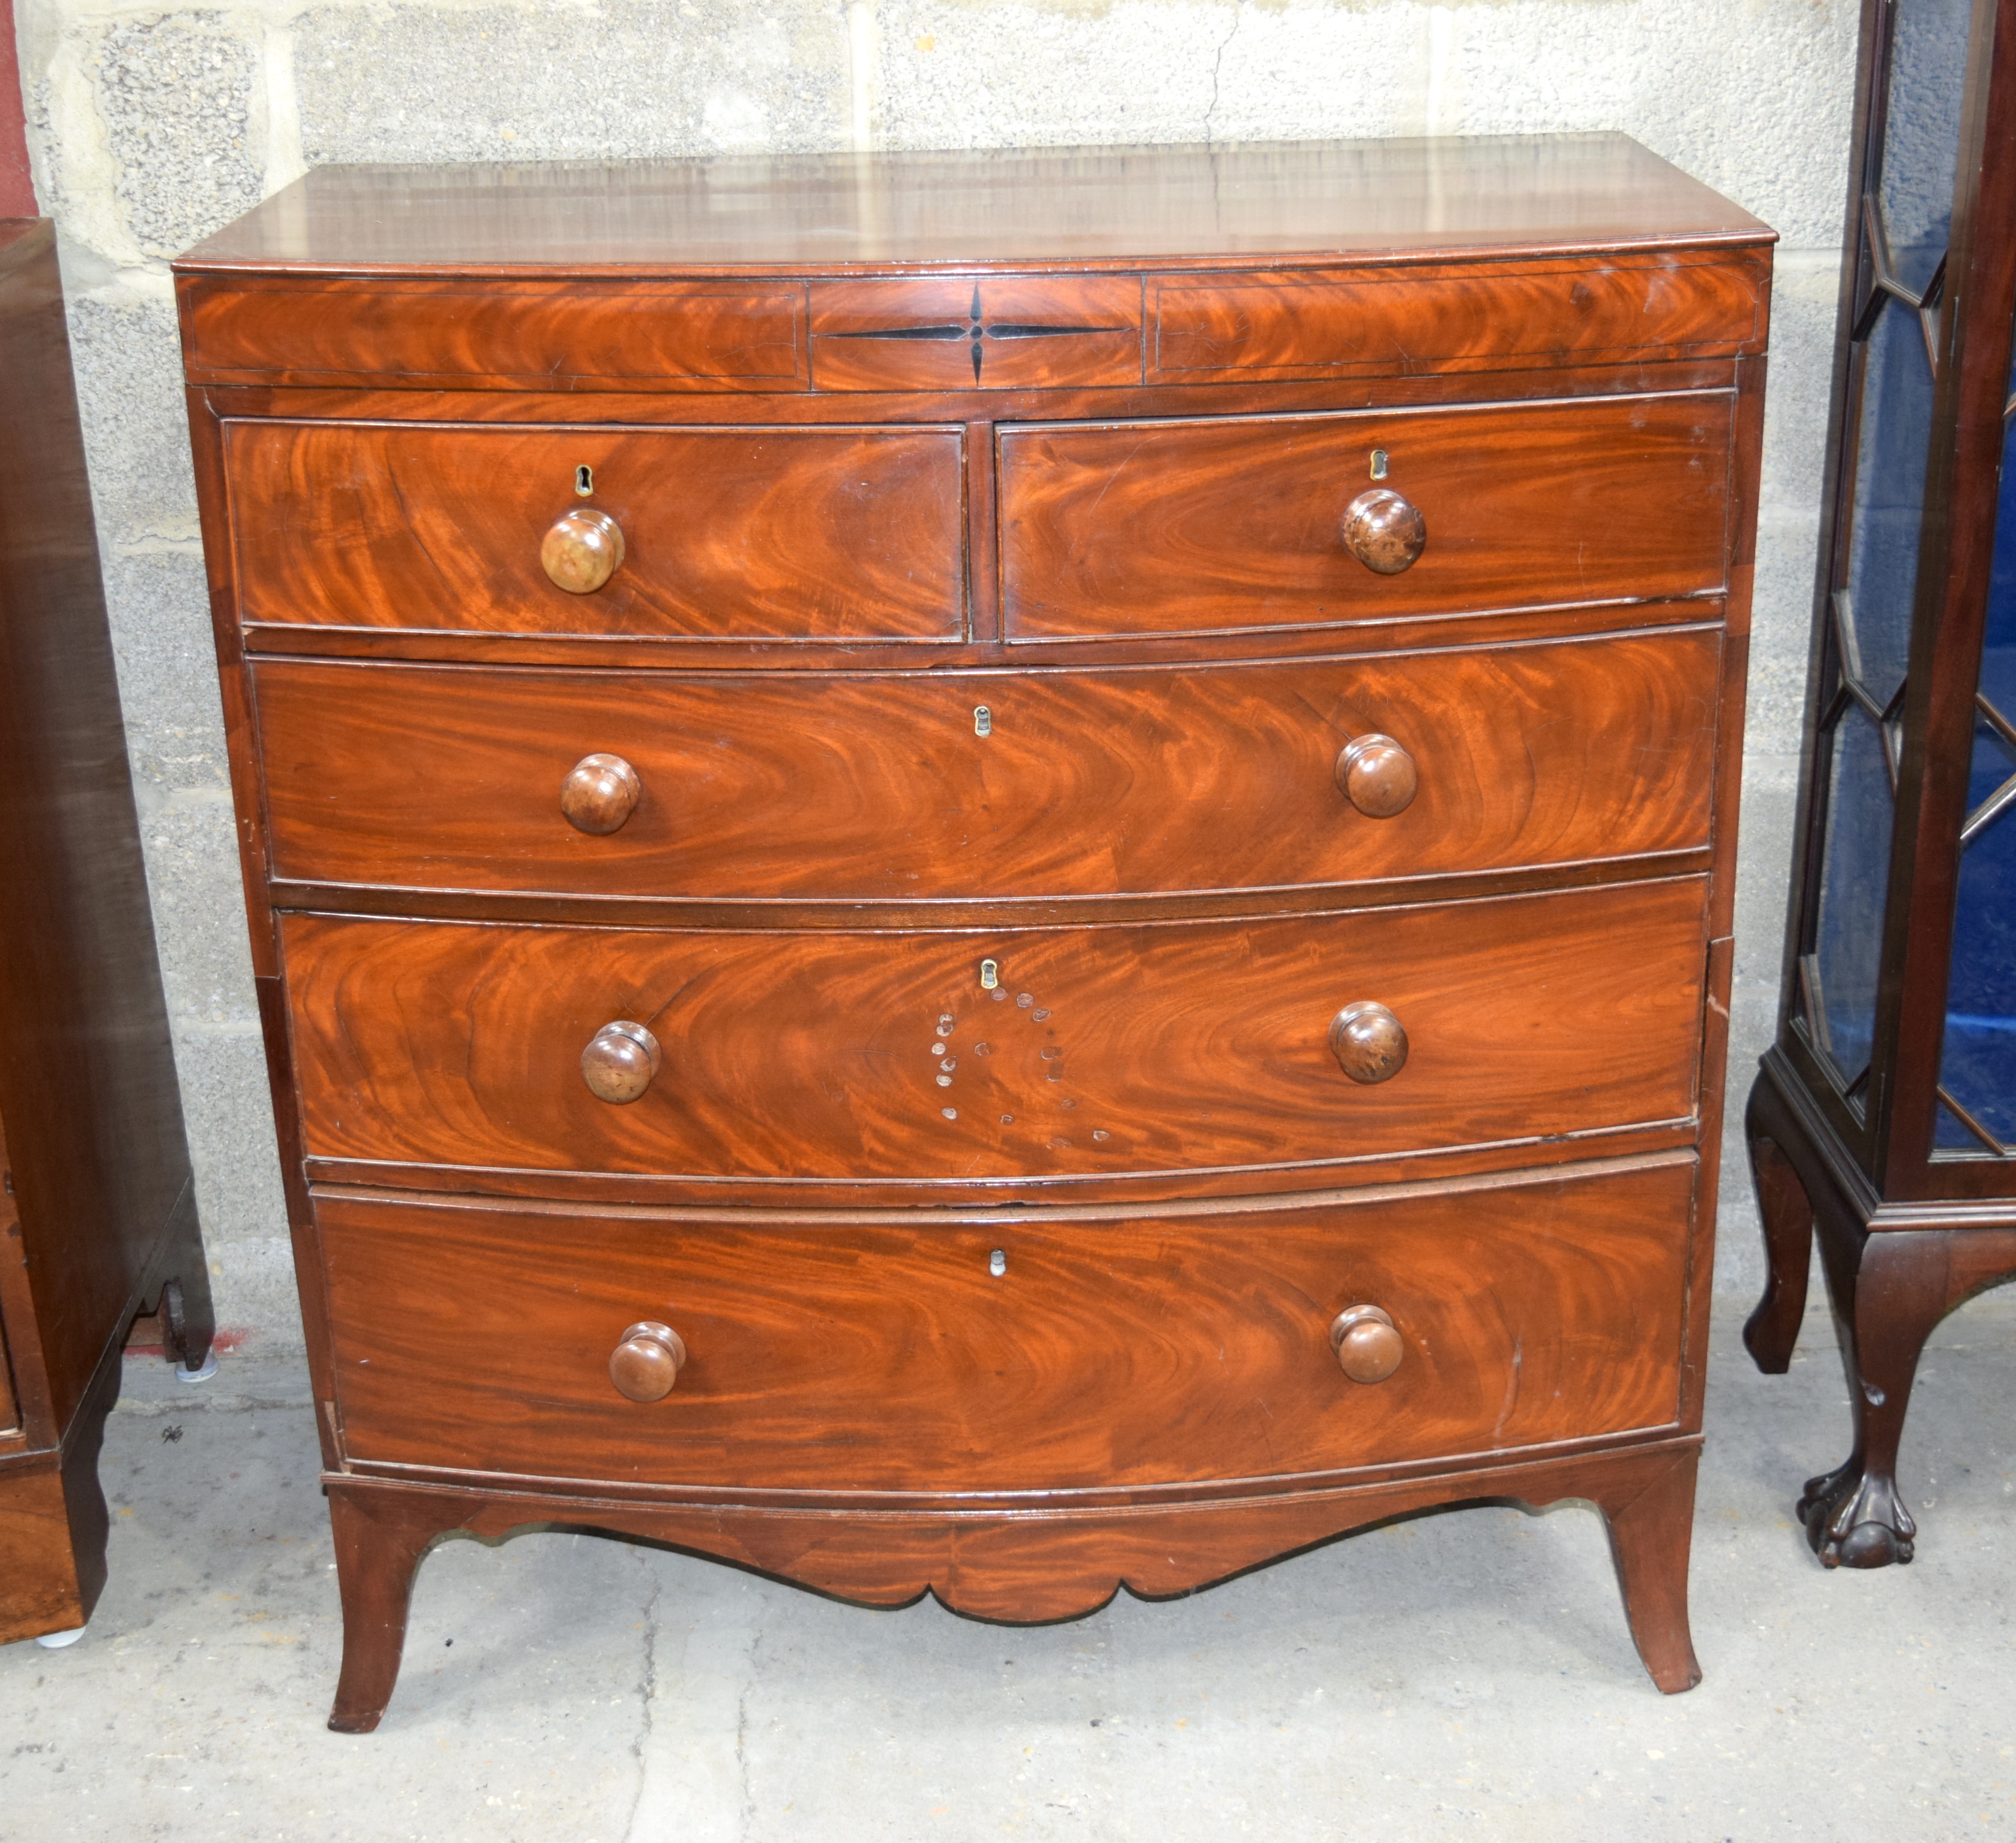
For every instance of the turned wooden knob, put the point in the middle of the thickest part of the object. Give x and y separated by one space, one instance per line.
600 793
1368 1348
620 1060
1368 1042
581 550
1375 774
1384 531
647 1362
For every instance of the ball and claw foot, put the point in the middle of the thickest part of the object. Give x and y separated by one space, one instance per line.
1854 1519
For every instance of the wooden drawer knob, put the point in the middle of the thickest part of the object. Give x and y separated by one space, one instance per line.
1368 1348
647 1362
600 793
1368 1042
620 1060
1384 531
1376 775
582 549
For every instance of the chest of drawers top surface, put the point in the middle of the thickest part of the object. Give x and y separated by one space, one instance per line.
1100 207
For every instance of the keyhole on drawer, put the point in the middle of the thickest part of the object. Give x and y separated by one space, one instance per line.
983 720
1379 464
997 1262
990 975
584 479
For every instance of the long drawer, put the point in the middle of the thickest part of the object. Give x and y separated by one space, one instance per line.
1011 1355
732 534
1237 523
882 786
855 1055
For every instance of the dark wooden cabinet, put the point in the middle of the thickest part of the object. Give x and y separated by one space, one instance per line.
1886 1113
1003 873
98 1218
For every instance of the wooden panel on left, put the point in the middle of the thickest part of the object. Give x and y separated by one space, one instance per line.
98 1209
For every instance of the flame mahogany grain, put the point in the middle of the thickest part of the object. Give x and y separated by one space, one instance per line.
876 786
1184 1044
1173 526
1314 324
744 533
535 335
1122 534
1111 1355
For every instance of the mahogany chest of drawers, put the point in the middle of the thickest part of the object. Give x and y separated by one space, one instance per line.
1007 873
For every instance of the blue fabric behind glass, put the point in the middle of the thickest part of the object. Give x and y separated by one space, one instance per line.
1889 497
1978 1067
1858 864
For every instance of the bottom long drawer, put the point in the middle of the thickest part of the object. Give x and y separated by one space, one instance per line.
1019 1354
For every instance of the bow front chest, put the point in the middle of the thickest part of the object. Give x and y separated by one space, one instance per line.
1004 873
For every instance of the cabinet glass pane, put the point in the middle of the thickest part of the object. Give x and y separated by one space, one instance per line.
1921 133
1889 497
1906 217
1978 1070
1849 949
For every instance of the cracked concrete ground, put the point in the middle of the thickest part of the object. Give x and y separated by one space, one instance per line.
1420 1677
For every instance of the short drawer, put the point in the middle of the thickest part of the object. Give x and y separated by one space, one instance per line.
917 786
730 534
1428 317
456 332
852 1056
1240 522
1010 1355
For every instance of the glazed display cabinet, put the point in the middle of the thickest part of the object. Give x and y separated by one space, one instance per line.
1886 1113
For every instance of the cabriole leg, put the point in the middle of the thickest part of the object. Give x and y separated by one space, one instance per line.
1787 1214
1886 1303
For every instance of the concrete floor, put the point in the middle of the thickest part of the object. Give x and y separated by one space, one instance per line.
1402 1683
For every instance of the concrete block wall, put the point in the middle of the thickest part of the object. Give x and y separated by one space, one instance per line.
151 125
